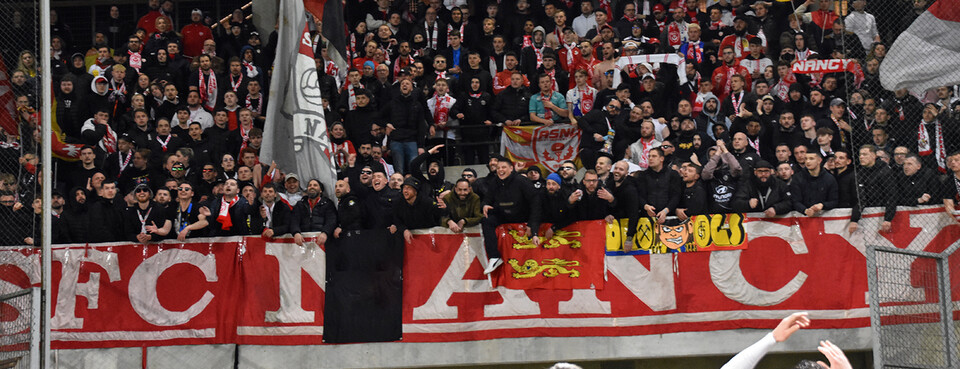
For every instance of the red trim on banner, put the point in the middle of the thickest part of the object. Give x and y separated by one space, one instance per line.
228 290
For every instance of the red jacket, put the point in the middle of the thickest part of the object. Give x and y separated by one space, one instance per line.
721 79
194 35
149 21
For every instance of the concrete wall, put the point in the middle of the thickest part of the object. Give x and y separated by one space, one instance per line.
666 351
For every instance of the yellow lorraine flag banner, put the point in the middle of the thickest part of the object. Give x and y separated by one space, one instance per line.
710 232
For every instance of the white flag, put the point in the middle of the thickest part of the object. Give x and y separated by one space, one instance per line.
295 135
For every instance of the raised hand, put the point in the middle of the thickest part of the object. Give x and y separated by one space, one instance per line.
789 325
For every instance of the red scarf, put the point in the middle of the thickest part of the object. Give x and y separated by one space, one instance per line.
251 69
164 143
224 215
249 104
450 29
245 137
527 41
136 60
674 35
208 89
924 148
441 109
236 85
547 113
400 63
431 34
124 162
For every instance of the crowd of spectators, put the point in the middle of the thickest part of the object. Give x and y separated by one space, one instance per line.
170 124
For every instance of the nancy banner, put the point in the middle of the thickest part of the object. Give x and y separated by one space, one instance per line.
252 290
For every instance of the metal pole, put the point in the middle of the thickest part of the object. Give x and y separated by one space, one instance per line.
874 296
46 134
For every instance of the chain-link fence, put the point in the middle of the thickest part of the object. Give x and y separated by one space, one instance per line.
20 97
911 309
909 136
19 329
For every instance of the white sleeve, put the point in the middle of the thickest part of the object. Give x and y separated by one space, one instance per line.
750 356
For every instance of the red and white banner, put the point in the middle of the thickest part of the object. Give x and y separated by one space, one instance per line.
250 291
547 146
824 66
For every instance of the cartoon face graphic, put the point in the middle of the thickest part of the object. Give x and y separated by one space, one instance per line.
675 236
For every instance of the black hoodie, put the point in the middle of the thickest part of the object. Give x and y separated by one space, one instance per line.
431 185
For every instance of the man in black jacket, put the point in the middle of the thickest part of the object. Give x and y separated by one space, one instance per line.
349 210
17 219
512 105
76 219
814 190
875 184
595 126
592 201
146 221
556 206
413 211
693 199
846 180
407 126
660 187
315 213
763 192
511 199
229 212
275 216
107 211
379 202
627 204
916 185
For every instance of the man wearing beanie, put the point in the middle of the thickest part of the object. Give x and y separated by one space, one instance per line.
413 211
556 208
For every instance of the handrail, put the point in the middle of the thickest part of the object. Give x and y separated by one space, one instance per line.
224 19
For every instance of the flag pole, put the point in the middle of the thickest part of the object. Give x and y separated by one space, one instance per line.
46 135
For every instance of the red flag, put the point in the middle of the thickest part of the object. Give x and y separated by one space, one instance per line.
7 120
572 259
315 7
921 57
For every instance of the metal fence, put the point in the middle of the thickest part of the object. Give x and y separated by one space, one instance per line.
20 329
891 120
20 97
911 309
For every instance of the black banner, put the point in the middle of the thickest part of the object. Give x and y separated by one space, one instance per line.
364 295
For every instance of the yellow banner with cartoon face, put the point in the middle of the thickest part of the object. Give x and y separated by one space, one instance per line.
710 232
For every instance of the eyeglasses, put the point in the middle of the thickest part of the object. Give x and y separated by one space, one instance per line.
366 172
177 169
468 176
613 107
139 190
208 170
185 189
568 168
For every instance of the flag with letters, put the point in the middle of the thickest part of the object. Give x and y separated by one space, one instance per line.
296 137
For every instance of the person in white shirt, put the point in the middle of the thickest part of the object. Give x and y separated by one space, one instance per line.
863 24
586 21
750 356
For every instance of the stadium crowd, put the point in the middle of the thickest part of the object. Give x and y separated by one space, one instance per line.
171 122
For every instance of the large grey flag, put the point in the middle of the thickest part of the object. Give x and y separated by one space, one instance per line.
295 135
